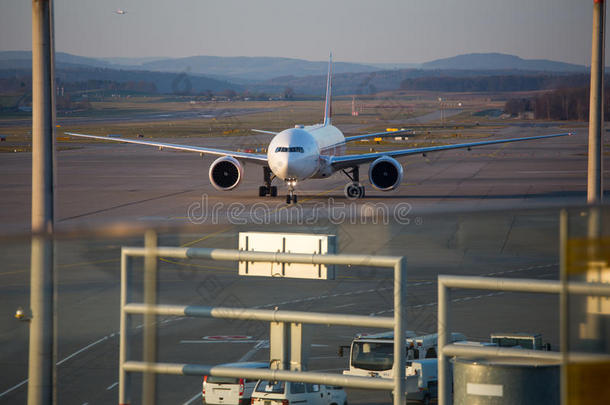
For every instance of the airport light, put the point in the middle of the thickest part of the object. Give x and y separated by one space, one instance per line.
20 314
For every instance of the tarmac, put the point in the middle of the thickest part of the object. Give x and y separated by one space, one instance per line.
492 211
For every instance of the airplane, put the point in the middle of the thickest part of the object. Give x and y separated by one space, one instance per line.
120 12
312 152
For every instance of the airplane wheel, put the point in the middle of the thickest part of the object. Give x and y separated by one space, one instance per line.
353 191
262 191
273 191
288 199
294 199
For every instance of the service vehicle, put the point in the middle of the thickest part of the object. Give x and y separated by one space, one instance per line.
531 341
285 393
229 390
373 355
422 380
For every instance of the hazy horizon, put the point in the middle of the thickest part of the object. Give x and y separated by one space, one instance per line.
268 56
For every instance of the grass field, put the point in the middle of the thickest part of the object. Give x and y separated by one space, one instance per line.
398 109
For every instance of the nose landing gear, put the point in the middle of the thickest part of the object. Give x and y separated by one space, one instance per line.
291 197
267 188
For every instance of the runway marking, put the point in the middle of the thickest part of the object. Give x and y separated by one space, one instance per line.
187 244
260 345
432 304
206 237
217 341
12 272
196 396
468 298
111 386
59 363
345 305
218 338
86 263
222 339
76 353
555 171
195 265
13 388
63 266
125 205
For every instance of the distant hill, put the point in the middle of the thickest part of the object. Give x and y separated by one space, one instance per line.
23 59
273 75
421 79
251 68
239 69
73 68
165 82
493 61
244 70
395 66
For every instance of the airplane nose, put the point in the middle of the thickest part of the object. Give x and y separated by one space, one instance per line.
279 165
290 166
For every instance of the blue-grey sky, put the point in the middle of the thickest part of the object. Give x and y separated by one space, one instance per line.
373 31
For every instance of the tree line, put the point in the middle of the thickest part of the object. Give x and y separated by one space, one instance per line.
495 83
562 104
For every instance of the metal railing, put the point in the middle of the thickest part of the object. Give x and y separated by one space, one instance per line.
397 323
446 350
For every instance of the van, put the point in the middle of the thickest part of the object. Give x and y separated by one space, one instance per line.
284 393
230 390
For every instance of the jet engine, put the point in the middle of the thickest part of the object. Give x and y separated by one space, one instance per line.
226 173
385 173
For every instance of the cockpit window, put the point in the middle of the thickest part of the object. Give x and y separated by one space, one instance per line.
298 149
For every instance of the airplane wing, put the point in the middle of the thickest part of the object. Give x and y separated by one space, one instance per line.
351 160
378 135
252 157
264 132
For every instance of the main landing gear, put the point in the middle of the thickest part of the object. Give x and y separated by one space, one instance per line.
353 190
267 188
291 197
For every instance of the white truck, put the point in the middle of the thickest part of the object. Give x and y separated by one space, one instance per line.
373 356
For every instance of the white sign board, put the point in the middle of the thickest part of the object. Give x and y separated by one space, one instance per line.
287 243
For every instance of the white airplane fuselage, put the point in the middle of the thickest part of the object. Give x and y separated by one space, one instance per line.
301 152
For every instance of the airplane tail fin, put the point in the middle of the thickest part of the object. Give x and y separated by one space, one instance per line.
328 109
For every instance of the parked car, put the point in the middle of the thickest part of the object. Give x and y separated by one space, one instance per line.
229 390
285 393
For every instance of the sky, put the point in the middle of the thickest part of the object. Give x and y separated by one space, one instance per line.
366 31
